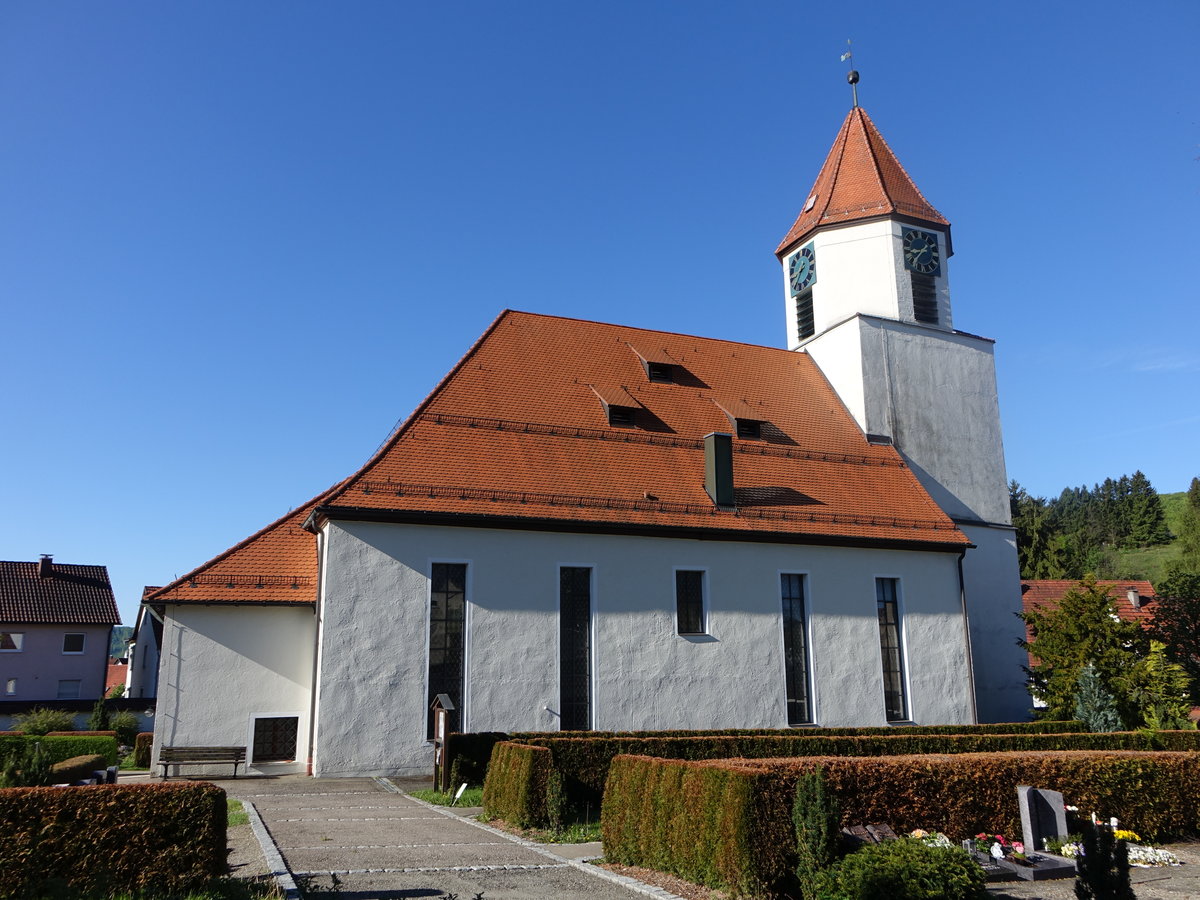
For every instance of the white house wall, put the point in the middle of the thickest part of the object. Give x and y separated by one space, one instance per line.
372 701
223 665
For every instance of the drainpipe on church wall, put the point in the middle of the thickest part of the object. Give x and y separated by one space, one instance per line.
962 595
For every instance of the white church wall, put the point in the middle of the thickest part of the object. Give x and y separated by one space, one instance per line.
857 271
838 354
993 581
372 702
222 666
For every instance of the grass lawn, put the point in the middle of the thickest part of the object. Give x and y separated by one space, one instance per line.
237 815
472 796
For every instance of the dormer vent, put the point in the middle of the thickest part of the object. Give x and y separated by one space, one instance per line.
619 406
658 364
746 420
718 468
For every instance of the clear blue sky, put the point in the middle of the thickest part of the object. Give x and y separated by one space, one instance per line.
240 240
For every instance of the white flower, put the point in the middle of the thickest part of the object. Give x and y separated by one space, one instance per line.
1145 857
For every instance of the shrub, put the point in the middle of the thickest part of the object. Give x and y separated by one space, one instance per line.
25 765
816 819
60 747
1094 705
98 721
125 724
1102 870
77 768
41 720
905 869
142 745
517 793
141 839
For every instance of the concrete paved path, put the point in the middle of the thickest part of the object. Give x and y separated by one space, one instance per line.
364 839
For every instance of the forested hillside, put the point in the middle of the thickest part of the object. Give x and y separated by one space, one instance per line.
1121 528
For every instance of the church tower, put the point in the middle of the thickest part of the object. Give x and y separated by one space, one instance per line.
867 293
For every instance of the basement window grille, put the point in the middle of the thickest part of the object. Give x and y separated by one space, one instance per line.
275 738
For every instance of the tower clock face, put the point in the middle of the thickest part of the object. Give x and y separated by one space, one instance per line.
921 252
802 269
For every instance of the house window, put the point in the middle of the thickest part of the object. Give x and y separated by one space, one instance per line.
574 647
72 643
805 322
68 689
689 601
275 738
11 641
447 627
10 687
795 651
890 636
924 294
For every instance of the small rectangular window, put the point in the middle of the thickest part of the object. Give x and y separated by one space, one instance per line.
11 641
275 738
891 648
72 643
10 687
689 602
68 689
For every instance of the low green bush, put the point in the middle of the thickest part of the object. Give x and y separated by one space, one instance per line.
76 769
903 869
161 839
60 747
142 745
41 720
125 724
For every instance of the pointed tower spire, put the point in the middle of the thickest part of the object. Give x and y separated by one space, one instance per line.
860 180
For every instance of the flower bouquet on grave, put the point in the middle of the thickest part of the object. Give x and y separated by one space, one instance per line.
931 838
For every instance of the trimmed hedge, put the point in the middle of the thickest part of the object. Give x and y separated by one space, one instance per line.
142 745
165 838
518 793
111 734
77 768
582 763
468 754
62 747
725 823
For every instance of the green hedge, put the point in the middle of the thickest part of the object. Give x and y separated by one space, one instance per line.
164 838
142 745
468 754
582 763
725 823
518 792
77 768
66 746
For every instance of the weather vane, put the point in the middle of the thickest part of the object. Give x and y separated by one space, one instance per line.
852 75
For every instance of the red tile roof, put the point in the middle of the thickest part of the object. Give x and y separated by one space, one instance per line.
117 671
71 595
1046 594
516 435
861 179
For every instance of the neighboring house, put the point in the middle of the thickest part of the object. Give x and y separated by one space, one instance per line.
589 525
118 675
142 672
1133 600
55 621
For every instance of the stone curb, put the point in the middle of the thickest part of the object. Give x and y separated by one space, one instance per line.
624 880
279 869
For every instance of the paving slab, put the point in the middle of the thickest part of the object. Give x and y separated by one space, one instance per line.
562 881
356 832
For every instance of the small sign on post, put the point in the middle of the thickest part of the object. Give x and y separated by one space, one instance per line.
442 707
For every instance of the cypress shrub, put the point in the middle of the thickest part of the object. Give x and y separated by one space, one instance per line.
162 839
1102 870
142 745
817 821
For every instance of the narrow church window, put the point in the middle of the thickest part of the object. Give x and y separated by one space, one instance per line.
447 619
924 294
275 738
887 600
795 651
575 649
805 324
689 601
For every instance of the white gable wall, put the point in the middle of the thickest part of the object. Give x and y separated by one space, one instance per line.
223 665
372 688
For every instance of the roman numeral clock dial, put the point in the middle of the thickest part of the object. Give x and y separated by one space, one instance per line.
921 252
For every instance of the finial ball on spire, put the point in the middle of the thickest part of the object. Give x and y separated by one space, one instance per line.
852 76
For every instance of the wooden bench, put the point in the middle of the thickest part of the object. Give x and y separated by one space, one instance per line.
200 756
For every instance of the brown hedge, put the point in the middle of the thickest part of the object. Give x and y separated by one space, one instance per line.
142 745
77 768
165 838
468 754
580 765
518 791
673 815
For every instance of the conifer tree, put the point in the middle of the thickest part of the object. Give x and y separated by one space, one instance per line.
1084 628
1176 622
1161 690
1147 524
1094 705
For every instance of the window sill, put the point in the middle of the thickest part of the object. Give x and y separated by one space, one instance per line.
698 637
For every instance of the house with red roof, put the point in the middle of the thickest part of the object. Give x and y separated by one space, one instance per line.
597 526
55 622
1132 599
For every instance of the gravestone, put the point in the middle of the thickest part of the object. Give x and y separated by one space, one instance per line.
1043 815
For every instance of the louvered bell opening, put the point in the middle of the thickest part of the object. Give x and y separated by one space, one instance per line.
718 468
805 322
924 294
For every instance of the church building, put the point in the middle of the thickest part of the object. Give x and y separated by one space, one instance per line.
598 526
